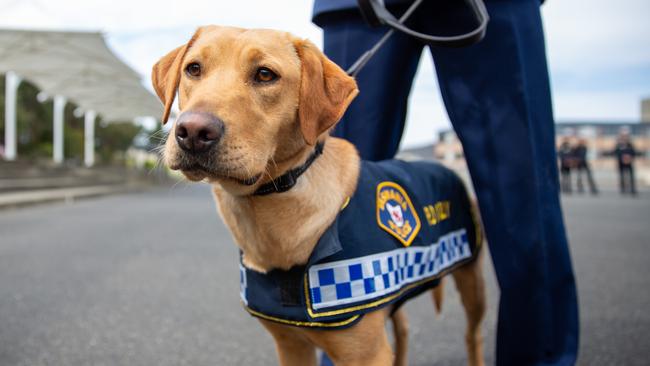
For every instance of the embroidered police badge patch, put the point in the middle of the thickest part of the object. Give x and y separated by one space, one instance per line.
395 212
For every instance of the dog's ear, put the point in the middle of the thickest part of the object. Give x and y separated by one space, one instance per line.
166 75
325 91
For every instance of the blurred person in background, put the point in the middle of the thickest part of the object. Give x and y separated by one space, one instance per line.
565 154
581 165
625 154
498 99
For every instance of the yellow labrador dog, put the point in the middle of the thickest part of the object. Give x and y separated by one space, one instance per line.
254 105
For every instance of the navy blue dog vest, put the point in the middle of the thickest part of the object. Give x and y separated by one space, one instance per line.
406 226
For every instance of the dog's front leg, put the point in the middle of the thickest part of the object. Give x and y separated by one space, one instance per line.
364 344
293 348
401 334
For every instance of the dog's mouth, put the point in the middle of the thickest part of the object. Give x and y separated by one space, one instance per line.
196 171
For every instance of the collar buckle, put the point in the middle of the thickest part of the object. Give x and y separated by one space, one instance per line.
285 182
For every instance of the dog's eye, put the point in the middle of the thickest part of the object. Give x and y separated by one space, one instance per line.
193 69
265 75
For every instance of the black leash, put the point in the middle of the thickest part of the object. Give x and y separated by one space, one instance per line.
289 179
375 14
363 60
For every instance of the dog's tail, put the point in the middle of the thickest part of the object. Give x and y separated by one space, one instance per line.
438 295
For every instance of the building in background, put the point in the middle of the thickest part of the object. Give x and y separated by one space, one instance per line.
645 110
601 140
600 137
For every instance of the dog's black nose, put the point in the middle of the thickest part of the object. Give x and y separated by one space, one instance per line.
197 132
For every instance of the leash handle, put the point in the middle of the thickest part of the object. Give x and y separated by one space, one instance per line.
366 56
375 14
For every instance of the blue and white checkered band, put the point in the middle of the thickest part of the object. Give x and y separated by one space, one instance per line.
395 212
242 284
358 280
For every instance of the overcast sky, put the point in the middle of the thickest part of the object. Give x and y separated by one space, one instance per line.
598 50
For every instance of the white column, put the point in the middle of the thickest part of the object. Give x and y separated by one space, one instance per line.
89 138
450 153
12 81
59 109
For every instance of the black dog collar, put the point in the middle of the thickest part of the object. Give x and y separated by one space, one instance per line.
289 179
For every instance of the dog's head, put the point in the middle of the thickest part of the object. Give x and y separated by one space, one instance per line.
249 100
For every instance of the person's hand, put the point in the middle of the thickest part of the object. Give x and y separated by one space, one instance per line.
626 159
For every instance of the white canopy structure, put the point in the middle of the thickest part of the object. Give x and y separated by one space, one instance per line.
71 66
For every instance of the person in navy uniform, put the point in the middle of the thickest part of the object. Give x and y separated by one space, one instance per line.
625 154
579 153
565 154
498 99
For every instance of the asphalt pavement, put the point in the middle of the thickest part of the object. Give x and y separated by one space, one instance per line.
151 278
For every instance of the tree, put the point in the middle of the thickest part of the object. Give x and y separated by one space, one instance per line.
114 139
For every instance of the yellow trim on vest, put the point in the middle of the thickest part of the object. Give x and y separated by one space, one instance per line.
345 204
301 324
